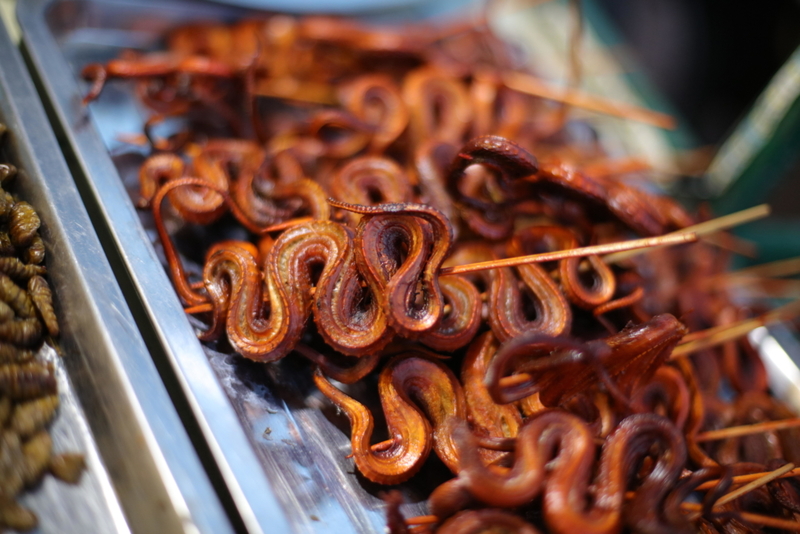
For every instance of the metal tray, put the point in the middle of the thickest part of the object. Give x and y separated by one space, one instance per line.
282 458
143 474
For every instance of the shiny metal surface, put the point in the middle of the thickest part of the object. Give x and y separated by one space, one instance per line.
780 351
143 475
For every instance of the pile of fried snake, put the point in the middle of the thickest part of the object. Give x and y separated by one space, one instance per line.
358 162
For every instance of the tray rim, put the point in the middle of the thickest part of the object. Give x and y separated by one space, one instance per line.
172 486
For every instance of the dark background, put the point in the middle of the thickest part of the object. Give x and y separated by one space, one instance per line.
709 58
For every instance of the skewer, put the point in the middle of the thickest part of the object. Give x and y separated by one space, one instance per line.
762 480
608 248
732 243
286 224
615 167
706 228
720 334
775 287
199 308
756 519
704 338
773 269
520 260
525 83
757 483
514 380
422 520
744 430
511 262
743 479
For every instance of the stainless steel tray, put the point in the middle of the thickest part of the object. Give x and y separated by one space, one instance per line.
282 458
143 473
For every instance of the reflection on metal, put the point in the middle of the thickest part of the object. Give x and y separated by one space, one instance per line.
776 346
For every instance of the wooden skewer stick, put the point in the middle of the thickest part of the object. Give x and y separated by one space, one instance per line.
732 243
514 380
774 269
757 483
525 83
743 479
760 285
422 520
286 224
704 338
744 430
608 248
706 228
756 519
720 334
614 167
200 308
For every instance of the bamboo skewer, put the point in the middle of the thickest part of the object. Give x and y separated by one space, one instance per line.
286 224
422 520
665 240
524 260
199 308
704 338
605 168
732 243
525 83
757 483
744 430
617 252
720 334
756 519
706 228
759 285
743 479
775 269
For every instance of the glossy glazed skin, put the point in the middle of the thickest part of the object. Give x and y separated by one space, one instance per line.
418 396
535 239
506 163
487 417
565 438
234 283
507 290
400 282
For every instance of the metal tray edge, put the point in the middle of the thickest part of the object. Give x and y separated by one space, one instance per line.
168 490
